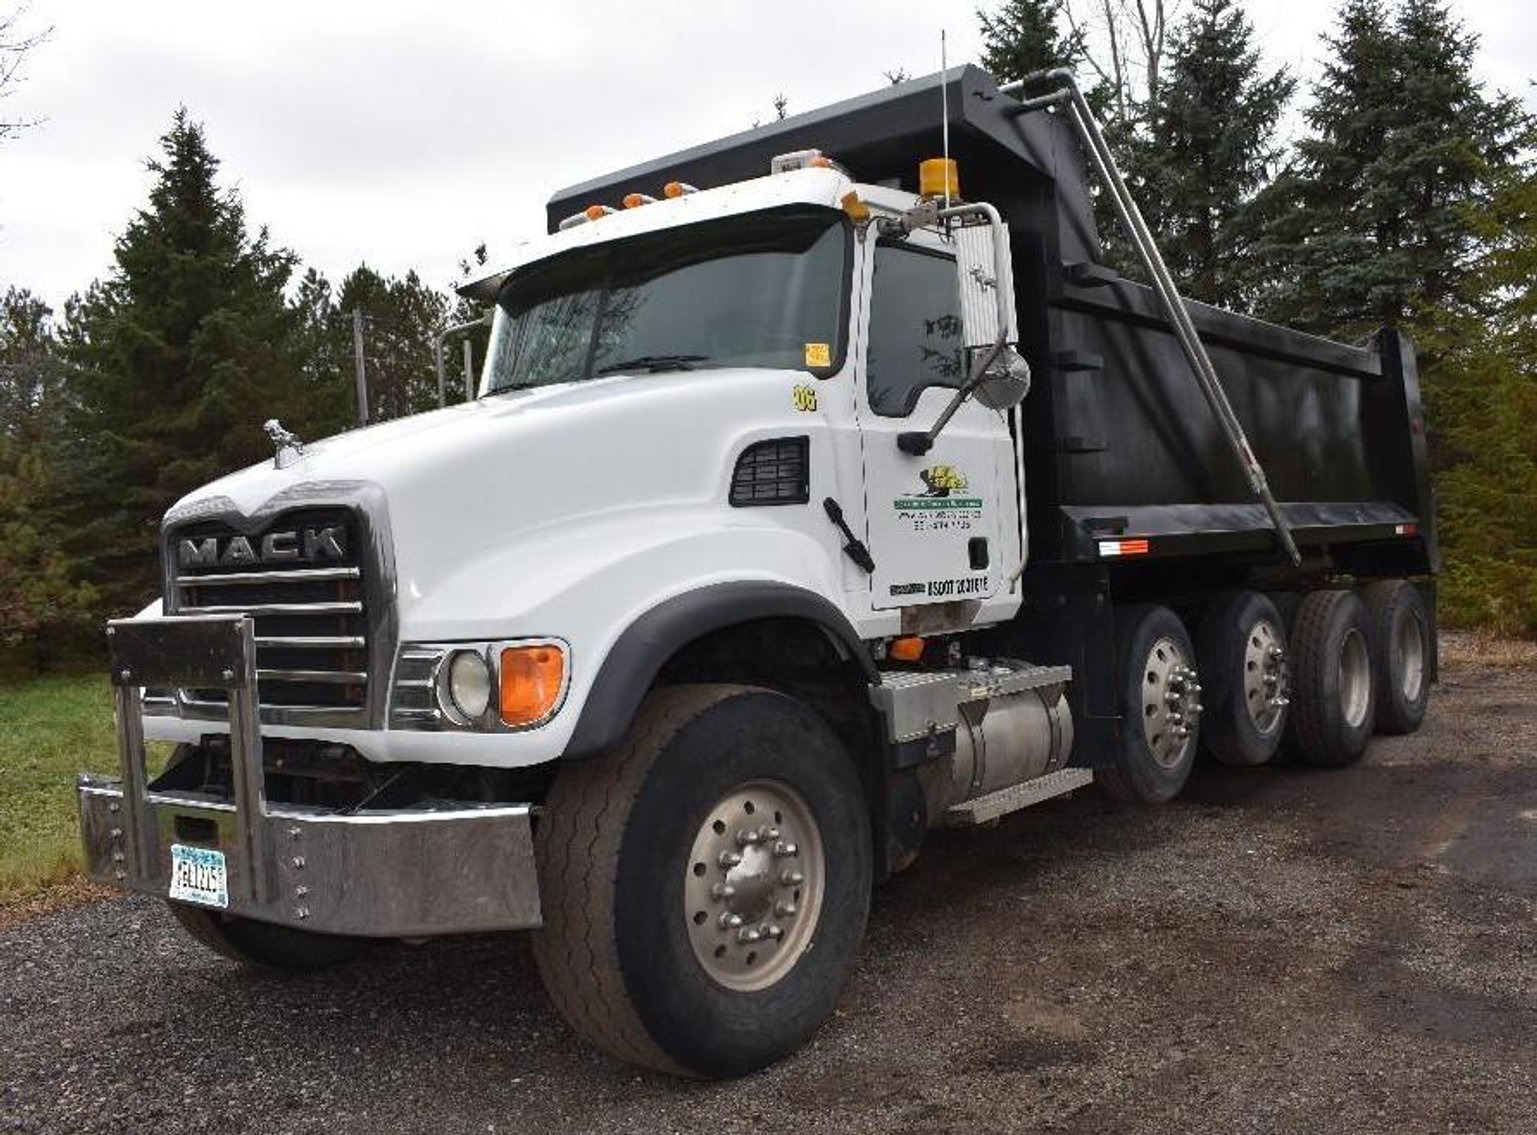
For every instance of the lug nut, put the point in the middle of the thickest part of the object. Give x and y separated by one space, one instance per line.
784 909
769 930
769 833
784 850
749 935
729 859
746 836
729 921
792 878
722 891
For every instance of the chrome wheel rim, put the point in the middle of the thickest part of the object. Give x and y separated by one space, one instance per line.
1265 694
1411 654
753 885
1355 678
1171 702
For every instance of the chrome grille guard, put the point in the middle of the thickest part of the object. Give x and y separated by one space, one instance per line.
385 873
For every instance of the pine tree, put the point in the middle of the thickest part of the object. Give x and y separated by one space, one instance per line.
1022 36
1371 224
41 601
176 359
1208 149
402 317
1481 391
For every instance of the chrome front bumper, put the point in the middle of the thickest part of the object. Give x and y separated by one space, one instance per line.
399 873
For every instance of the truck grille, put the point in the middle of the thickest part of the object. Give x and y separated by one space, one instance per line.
307 601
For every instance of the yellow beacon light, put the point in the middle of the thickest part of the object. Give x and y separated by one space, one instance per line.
939 177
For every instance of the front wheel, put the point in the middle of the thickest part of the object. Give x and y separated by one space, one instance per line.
705 885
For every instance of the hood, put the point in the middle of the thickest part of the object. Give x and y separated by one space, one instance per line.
468 479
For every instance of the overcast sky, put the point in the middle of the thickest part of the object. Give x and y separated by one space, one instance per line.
405 134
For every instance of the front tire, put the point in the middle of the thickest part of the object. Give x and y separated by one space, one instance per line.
1160 707
706 884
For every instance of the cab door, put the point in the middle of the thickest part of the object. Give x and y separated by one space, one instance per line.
935 523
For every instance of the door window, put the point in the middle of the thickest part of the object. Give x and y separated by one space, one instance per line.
915 328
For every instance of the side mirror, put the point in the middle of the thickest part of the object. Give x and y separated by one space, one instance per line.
1005 382
999 376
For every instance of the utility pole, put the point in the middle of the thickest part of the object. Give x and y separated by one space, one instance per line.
469 370
362 374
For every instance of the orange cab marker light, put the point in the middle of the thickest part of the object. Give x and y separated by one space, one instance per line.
593 212
856 209
909 649
1134 547
677 189
636 200
821 161
532 678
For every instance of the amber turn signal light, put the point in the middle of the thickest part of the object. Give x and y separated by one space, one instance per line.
907 649
532 678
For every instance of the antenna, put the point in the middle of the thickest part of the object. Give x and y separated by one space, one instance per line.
944 102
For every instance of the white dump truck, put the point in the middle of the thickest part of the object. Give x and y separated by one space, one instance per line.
821 490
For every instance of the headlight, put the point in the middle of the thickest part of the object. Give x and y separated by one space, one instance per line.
469 685
491 687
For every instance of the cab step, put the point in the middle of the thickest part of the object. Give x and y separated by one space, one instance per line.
1011 799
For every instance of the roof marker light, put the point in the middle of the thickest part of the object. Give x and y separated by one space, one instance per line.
803 159
593 212
857 210
677 189
636 200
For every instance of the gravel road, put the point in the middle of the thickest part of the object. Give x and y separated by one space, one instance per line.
1281 950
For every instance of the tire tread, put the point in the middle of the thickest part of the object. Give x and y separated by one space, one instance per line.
576 952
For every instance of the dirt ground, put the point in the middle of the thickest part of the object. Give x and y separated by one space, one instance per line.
1282 950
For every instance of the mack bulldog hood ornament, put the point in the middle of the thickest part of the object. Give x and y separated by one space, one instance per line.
289 447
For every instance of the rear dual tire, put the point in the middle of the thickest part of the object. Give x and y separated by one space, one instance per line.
1242 651
1333 680
1403 653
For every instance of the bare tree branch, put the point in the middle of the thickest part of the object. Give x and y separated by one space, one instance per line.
15 45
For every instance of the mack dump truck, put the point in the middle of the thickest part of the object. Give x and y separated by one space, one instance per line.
823 488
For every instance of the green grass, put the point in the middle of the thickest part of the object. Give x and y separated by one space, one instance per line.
50 729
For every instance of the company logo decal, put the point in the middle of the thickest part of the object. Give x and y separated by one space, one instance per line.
941 504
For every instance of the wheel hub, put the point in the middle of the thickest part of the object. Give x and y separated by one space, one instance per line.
1265 687
753 886
1171 702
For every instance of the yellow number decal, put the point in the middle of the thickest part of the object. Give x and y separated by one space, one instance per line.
805 398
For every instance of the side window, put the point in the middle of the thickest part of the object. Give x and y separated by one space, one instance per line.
915 328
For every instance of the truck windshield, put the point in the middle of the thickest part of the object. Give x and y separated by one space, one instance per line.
762 290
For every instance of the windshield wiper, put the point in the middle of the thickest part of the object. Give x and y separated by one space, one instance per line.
653 363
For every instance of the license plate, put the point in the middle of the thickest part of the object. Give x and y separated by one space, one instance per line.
198 875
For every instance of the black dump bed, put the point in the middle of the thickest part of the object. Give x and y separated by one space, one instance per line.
1119 439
